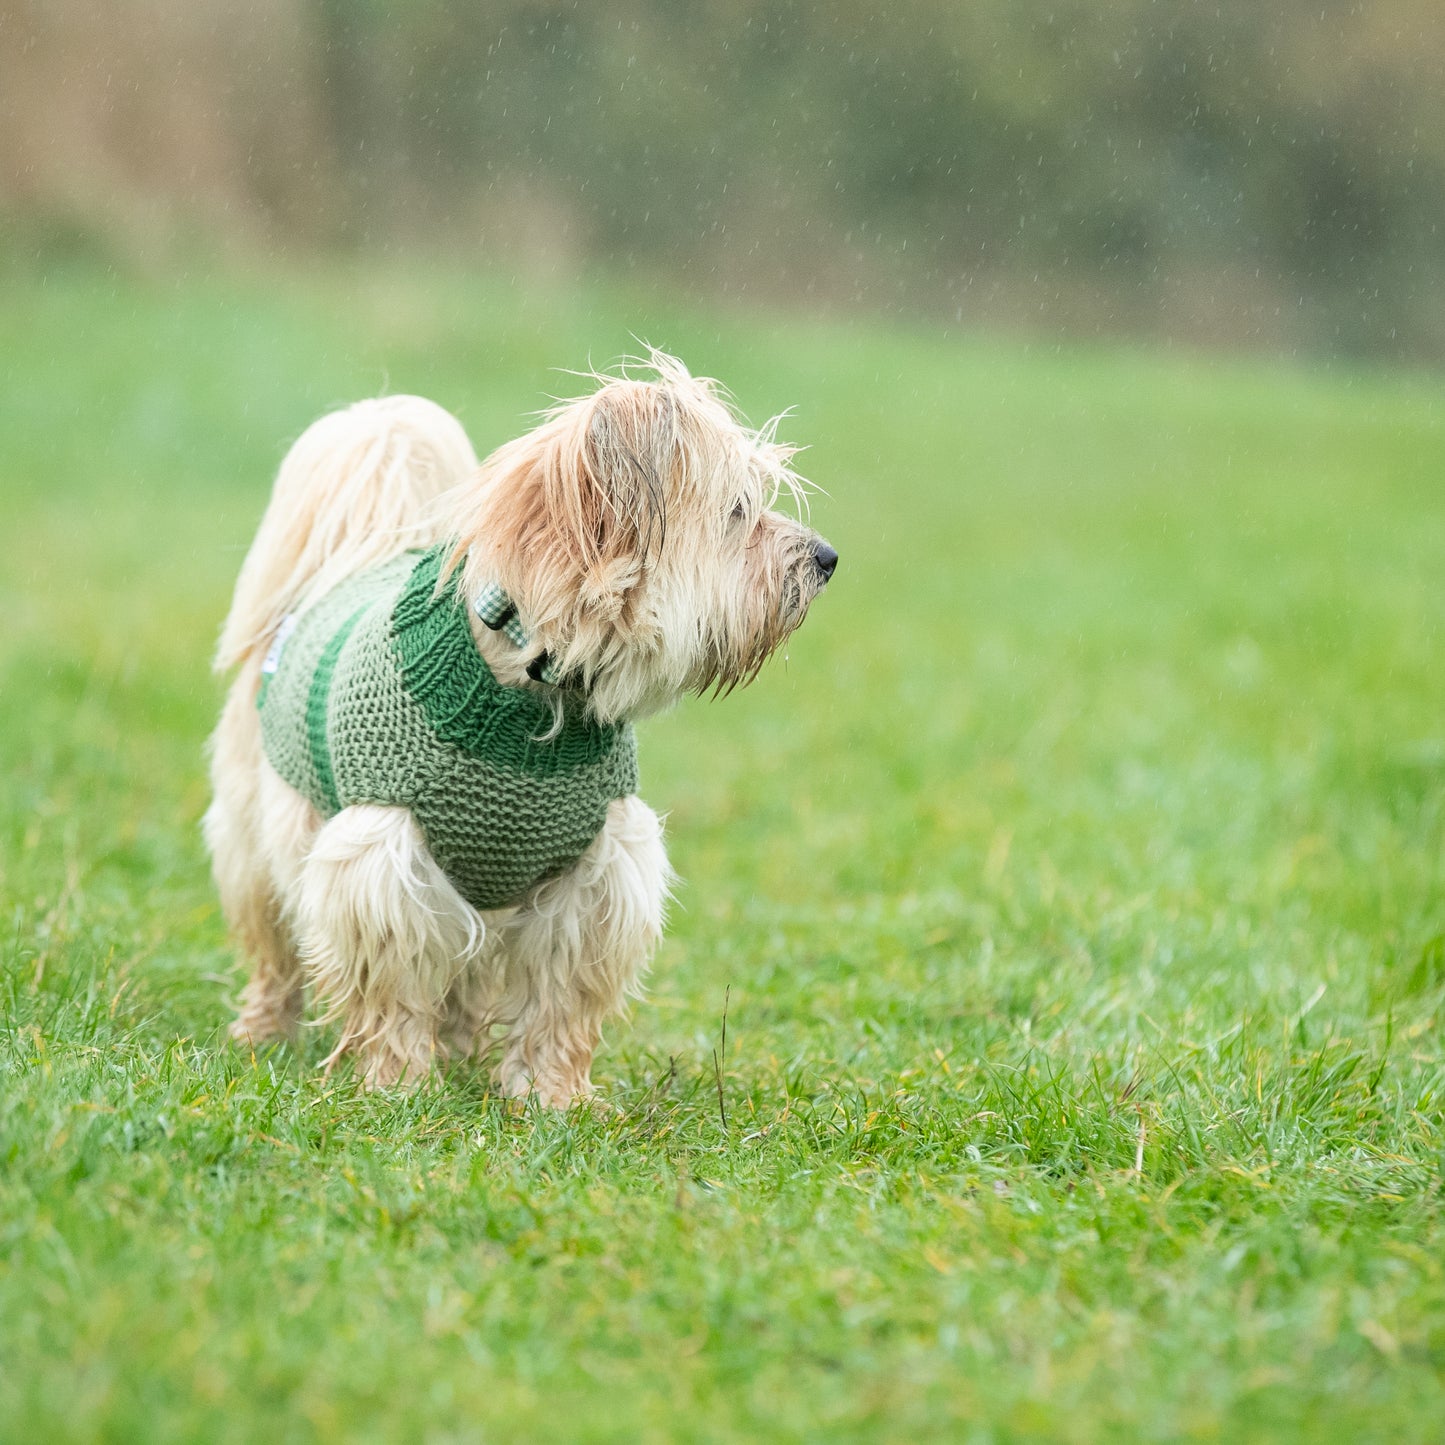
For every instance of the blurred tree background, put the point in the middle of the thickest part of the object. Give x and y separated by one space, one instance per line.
1266 173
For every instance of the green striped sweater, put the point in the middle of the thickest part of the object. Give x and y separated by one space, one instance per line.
377 694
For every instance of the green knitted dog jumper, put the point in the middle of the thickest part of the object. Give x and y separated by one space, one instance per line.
377 694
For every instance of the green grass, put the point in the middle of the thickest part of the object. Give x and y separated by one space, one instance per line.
1076 880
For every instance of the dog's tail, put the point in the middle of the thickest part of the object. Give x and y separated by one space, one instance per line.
359 486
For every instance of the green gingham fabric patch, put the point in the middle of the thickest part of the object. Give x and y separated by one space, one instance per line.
499 612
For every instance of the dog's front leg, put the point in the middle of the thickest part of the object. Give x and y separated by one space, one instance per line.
384 937
575 953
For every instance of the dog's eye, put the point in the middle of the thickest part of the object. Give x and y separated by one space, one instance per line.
739 512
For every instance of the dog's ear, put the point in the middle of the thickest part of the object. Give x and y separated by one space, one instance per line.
606 489
567 518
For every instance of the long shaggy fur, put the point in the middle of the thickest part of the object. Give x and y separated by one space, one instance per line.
634 530
358 487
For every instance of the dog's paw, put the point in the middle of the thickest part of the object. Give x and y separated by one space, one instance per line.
253 1032
559 1096
393 1074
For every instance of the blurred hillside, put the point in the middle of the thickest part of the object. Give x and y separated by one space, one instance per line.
1267 173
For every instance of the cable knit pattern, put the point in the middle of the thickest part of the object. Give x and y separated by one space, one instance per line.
380 696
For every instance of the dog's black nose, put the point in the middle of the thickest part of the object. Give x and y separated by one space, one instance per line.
827 559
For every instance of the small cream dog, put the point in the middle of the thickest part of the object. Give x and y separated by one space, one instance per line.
424 774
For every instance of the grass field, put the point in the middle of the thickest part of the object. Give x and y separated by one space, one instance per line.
1076 880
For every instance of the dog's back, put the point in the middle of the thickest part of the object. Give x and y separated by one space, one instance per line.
359 486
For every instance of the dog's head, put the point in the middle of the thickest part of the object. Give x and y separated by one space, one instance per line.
635 530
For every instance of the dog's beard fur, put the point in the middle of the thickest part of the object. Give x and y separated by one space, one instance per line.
636 532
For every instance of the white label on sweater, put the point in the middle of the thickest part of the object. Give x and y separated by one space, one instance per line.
273 656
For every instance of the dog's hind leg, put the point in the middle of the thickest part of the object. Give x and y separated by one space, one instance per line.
272 998
575 953
244 829
384 937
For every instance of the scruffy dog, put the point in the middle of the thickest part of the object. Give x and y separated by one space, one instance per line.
425 773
